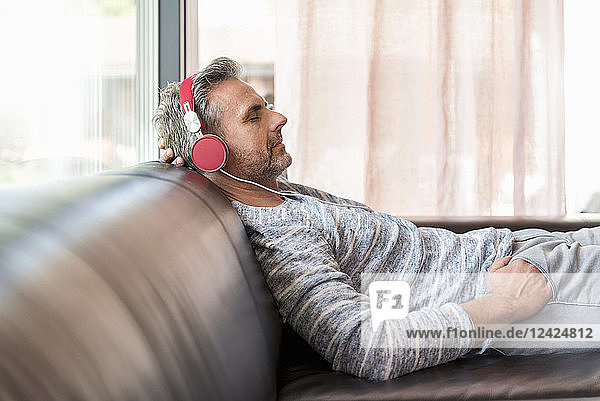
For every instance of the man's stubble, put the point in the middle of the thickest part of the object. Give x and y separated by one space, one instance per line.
263 166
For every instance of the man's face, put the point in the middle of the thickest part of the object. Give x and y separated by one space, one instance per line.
252 132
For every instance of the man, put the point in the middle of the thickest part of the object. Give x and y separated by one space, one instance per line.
316 249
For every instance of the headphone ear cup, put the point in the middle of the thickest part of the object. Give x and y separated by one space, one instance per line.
209 153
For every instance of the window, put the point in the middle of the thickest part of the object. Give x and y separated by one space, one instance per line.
243 30
79 84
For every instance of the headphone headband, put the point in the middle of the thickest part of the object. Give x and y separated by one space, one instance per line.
186 96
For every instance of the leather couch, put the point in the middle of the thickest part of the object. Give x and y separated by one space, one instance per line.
140 284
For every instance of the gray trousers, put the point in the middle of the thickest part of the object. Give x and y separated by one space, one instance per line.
571 263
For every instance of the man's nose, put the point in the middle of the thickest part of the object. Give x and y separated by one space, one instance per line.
279 120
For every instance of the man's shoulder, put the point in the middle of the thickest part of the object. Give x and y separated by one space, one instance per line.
286 185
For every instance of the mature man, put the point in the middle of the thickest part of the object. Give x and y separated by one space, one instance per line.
316 250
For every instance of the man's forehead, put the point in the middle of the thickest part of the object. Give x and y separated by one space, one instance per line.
235 95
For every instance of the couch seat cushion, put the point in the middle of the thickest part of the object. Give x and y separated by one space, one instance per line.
477 377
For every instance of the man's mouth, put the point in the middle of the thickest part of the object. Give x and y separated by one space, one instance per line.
279 143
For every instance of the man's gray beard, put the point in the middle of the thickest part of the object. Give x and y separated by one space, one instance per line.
266 170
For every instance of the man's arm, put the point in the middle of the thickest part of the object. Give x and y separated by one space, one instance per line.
320 303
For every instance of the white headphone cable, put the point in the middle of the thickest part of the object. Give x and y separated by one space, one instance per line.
290 193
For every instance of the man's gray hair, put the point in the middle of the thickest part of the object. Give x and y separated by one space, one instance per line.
168 117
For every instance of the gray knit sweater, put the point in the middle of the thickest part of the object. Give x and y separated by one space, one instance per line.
318 258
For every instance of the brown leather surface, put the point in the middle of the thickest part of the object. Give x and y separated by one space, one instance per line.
550 223
134 285
482 377
491 376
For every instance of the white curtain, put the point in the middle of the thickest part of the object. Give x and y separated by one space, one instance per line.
426 107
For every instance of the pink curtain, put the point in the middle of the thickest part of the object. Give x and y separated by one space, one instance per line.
426 107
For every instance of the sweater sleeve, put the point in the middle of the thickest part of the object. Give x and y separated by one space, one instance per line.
319 302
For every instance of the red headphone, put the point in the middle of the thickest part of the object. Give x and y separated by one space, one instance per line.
209 152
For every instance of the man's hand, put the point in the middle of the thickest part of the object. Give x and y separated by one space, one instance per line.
520 285
169 155
516 291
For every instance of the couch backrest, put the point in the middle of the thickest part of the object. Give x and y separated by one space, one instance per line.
130 285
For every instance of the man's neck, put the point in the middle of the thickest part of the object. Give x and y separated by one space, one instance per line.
245 193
